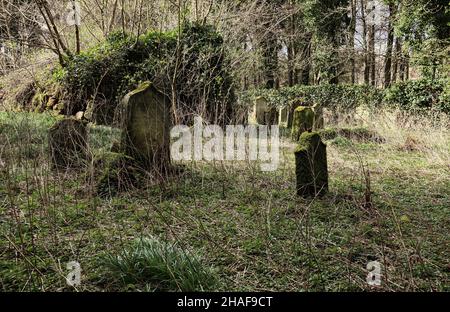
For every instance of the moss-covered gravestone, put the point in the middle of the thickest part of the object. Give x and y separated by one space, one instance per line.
311 166
303 121
145 114
68 143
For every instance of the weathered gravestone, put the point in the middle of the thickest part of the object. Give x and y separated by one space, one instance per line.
263 113
303 121
311 167
318 117
68 143
283 117
145 114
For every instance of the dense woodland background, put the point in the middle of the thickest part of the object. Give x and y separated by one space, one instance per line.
266 44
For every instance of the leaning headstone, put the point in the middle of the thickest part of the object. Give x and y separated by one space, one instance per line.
68 143
145 119
303 121
318 117
311 167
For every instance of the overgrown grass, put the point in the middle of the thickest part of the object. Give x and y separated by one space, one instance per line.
248 225
159 266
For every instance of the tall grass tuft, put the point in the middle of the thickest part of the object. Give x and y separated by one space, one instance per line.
159 266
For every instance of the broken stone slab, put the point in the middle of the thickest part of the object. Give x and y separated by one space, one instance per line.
68 143
311 167
145 121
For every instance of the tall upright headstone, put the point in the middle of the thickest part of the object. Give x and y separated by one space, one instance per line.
283 117
146 122
311 167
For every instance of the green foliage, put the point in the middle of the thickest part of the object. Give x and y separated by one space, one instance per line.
194 60
419 96
160 266
341 97
425 27
25 134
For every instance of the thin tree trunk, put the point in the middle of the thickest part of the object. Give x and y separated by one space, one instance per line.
290 55
77 28
291 51
390 42
396 60
113 16
352 41
307 56
407 67
51 22
270 60
401 61
372 48
366 58
55 41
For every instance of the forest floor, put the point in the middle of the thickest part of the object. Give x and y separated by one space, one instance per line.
248 226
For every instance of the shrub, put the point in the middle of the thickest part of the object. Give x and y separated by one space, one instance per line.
419 96
197 65
160 266
339 97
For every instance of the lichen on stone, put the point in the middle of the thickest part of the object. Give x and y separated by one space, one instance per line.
303 121
311 165
145 121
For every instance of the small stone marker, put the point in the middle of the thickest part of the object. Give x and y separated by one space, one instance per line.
68 143
79 115
146 126
283 117
303 121
311 166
